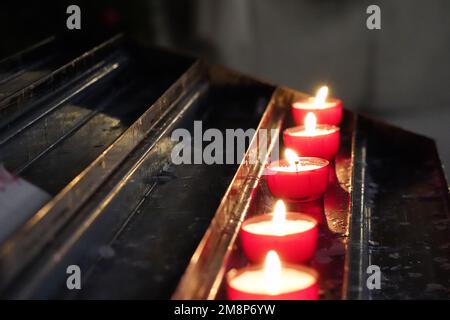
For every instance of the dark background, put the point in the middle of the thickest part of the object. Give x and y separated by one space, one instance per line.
400 73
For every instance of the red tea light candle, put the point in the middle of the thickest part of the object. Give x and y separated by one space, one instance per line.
328 111
273 281
312 139
292 235
298 178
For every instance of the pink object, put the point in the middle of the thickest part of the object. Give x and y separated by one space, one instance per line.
323 142
306 182
294 243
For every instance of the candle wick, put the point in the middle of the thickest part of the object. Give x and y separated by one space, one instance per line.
296 165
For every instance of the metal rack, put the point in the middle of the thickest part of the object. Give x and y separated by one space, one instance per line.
93 130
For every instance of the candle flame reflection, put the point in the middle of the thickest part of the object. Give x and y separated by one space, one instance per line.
292 158
310 122
279 216
272 273
321 96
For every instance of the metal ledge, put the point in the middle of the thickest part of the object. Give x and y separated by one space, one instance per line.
400 218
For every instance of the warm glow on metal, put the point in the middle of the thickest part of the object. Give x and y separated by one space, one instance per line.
272 273
321 96
310 122
279 216
292 158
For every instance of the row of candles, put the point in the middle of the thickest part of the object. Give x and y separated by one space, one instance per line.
278 244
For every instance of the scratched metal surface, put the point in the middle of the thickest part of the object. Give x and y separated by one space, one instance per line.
31 65
61 141
400 215
52 65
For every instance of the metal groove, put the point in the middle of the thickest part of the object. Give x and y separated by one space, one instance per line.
9 104
26 243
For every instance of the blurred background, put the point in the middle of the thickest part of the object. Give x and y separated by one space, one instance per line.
400 74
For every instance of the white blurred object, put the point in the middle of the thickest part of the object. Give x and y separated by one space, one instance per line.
19 200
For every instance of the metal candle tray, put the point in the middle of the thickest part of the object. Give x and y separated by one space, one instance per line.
92 127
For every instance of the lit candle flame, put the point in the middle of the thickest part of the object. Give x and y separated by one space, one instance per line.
279 216
321 96
310 122
292 158
272 273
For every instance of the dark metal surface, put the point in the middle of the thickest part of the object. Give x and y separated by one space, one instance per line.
51 66
77 153
400 215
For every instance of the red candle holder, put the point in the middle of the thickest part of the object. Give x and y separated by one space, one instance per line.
328 113
297 283
322 142
306 182
294 238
